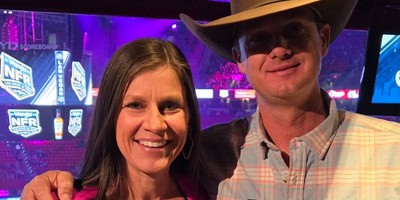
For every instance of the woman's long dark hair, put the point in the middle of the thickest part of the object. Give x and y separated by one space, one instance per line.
104 166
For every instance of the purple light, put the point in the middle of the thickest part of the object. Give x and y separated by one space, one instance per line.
236 77
36 142
85 40
3 193
173 26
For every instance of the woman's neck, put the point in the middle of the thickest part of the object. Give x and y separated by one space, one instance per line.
152 187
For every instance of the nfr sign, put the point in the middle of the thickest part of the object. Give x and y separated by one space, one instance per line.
24 122
75 121
16 77
78 80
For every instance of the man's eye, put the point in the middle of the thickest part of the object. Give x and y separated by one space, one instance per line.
259 43
135 105
293 29
260 39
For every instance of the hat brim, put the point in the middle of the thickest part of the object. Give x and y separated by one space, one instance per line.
218 34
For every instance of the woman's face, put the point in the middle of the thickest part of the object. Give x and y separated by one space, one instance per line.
152 126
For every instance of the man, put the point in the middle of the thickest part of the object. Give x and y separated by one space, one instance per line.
297 145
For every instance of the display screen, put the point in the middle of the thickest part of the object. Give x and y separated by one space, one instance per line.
379 92
44 122
46 77
387 82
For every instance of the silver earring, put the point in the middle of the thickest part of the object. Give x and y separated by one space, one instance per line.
191 147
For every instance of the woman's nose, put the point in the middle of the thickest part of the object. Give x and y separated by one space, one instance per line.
155 121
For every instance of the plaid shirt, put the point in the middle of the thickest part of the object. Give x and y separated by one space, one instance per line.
348 156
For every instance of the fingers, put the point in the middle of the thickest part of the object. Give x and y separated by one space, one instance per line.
65 182
27 193
40 187
37 189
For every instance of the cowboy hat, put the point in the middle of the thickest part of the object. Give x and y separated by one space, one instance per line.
218 34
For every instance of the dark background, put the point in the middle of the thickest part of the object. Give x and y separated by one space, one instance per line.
367 12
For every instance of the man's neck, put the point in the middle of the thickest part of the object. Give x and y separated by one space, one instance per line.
284 122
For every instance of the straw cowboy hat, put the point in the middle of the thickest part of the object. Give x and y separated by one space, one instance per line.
218 34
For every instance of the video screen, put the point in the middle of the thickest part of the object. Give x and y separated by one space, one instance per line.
47 77
42 61
43 122
387 82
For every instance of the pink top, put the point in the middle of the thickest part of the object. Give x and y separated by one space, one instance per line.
186 186
87 193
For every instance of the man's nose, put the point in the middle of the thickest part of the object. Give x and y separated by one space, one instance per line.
281 49
280 52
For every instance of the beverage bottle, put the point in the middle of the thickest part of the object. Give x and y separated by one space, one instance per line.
58 125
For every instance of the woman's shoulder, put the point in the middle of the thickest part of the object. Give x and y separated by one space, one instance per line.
191 188
87 193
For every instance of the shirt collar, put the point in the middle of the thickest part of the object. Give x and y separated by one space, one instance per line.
257 128
321 137
318 140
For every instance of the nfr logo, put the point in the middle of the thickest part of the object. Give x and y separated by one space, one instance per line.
78 80
16 77
24 122
75 121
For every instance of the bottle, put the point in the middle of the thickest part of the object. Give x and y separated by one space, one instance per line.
58 125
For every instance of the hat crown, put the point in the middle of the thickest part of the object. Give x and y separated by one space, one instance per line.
238 6
216 34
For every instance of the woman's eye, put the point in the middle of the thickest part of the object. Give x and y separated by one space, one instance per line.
170 107
135 105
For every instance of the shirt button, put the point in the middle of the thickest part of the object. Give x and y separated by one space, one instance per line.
285 179
293 179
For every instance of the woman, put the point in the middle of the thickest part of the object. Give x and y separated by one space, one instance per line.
143 143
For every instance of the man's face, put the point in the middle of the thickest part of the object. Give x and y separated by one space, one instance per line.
281 53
